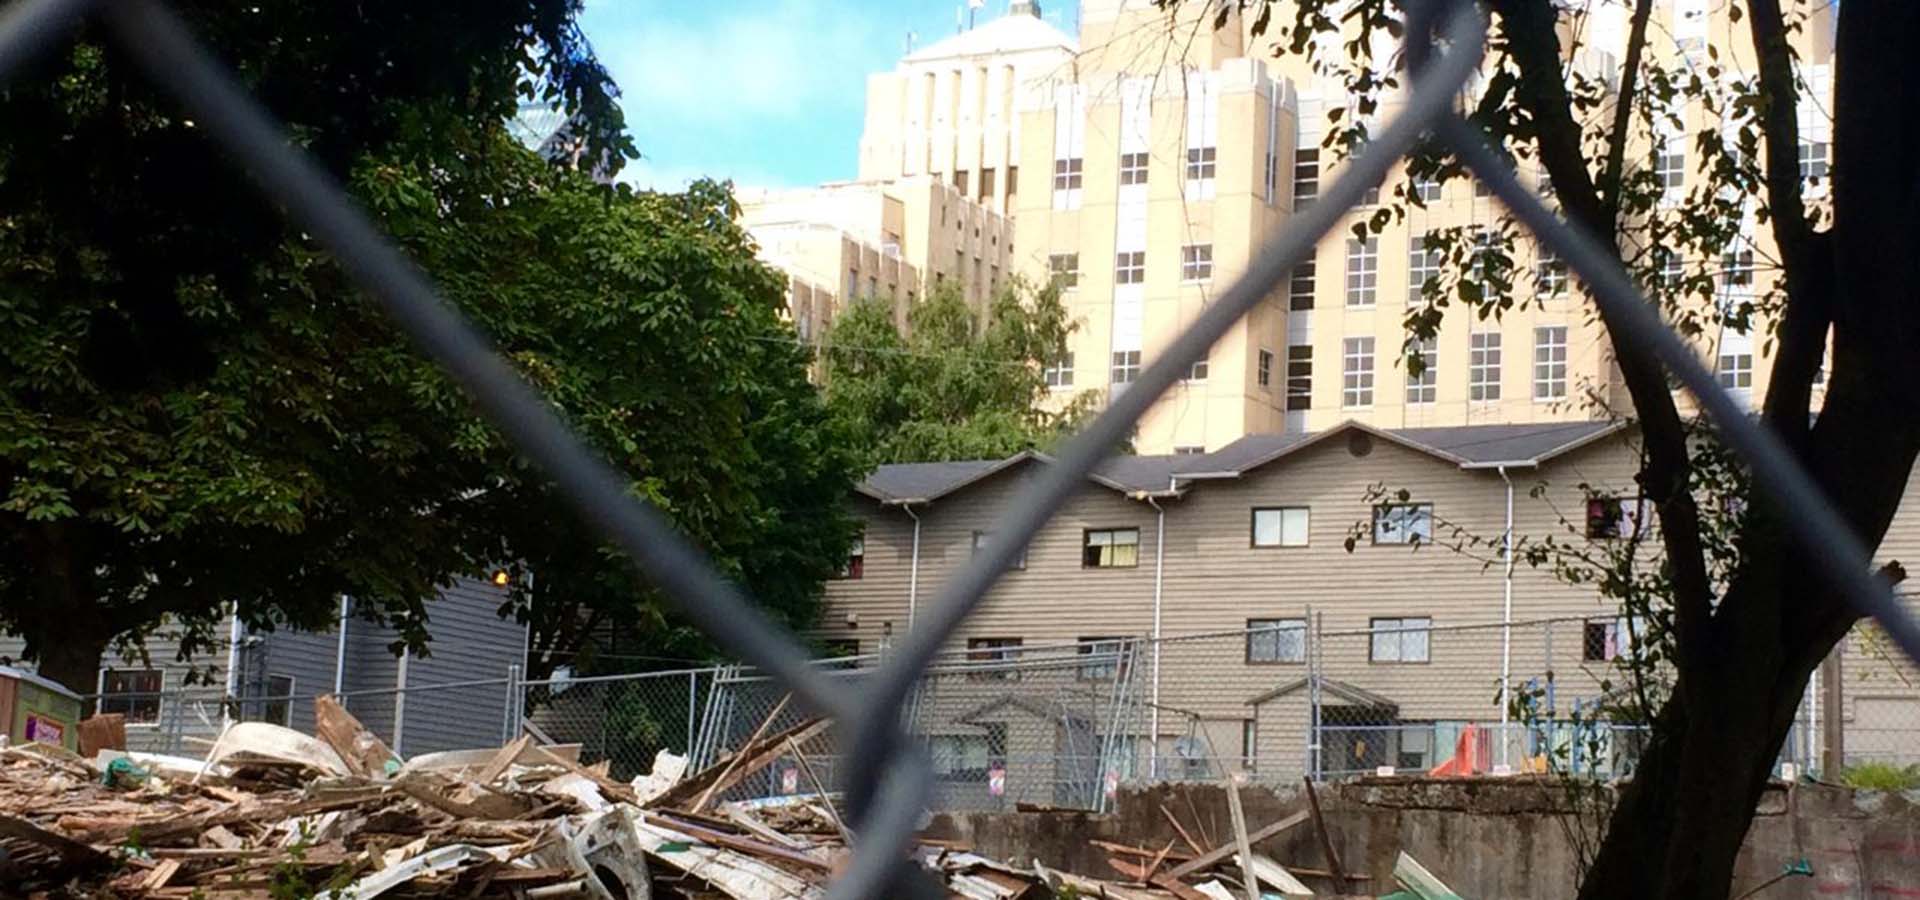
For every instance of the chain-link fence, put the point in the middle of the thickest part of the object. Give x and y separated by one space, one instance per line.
893 781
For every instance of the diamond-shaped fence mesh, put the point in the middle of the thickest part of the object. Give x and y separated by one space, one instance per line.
893 780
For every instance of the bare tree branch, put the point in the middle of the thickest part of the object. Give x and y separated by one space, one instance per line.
1612 177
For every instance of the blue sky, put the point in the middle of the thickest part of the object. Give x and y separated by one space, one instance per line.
769 93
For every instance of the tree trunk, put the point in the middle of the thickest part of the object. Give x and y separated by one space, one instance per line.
73 660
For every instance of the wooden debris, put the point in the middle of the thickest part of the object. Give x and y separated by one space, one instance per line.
1240 842
1218 854
363 752
733 762
1415 878
107 731
1339 877
1178 829
750 759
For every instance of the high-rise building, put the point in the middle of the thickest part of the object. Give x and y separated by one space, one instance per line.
1171 151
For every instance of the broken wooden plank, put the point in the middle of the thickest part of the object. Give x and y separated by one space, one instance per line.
1339 878
1181 830
106 731
749 760
160 875
364 753
1143 852
833 812
1269 872
497 766
1158 858
737 842
1414 877
1218 854
607 785
1240 842
733 761
70 851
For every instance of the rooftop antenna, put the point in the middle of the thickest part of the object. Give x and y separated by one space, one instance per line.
973 8
911 37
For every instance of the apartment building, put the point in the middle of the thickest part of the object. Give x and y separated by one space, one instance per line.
1176 150
1209 568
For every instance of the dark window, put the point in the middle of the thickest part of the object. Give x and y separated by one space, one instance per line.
981 539
991 659
856 559
1276 640
1611 518
1306 177
839 648
1403 523
1064 269
278 705
134 693
1300 287
1263 369
1111 548
1300 376
1610 639
1133 168
1103 658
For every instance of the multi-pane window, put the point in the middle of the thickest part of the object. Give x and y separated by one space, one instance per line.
1126 366
1196 262
1198 370
1737 267
1306 177
969 758
1130 267
1403 640
1813 160
1356 371
1270 176
1133 168
1300 287
277 705
994 658
856 564
134 693
1671 267
1423 386
1423 264
1403 523
1064 269
1483 365
1735 371
1612 518
1276 640
1110 548
1605 640
1299 376
983 539
1263 369
1550 273
1550 362
1200 163
1363 271
1060 373
1066 174
1102 658
1284 526
1670 167
1426 190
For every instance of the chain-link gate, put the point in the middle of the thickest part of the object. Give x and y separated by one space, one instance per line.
894 779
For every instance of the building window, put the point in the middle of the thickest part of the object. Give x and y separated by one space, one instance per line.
853 285
1276 640
1605 640
960 182
1284 526
1300 287
983 539
1130 267
1735 371
1356 372
1306 177
1615 518
1270 176
986 185
1066 183
1200 163
1481 189
993 658
1736 266
1403 523
1483 366
134 693
1249 744
277 705
1103 658
1263 370
1400 640
967 758
1363 271
1126 366
1424 258
1550 274
1060 374
1670 267
1423 386
1670 167
1813 160
856 565
1133 168
1426 190
1197 371
1196 262
1189 450
1299 377
873 286
1110 548
1064 268
1550 362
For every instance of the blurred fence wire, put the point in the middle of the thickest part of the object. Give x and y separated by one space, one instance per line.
895 780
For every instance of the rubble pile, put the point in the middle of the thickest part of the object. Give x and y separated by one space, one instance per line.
272 813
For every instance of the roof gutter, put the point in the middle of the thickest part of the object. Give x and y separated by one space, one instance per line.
1503 465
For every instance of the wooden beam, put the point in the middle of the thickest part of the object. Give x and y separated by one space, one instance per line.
1240 842
1339 878
1217 854
1180 829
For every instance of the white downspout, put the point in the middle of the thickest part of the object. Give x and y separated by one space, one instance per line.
340 652
400 703
234 635
1159 567
913 570
1506 631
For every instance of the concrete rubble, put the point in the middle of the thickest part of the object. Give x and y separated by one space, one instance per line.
273 813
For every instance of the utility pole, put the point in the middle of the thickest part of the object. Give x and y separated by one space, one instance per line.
1832 704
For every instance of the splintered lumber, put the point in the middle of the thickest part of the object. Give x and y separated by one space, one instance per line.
611 788
1218 854
751 758
498 765
1179 829
736 842
734 760
1414 877
107 731
72 852
1245 856
1339 877
1270 872
833 812
364 753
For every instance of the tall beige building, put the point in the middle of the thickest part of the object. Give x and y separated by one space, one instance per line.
1172 151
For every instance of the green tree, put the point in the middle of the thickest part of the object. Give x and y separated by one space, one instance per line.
1743 645
954 384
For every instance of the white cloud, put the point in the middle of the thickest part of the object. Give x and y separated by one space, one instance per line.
779 61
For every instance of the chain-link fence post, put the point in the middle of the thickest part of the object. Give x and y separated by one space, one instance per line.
510 707
1314 624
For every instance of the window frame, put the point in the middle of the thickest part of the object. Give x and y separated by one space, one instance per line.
1124 362
1632 508
134 696
1133 168
1382 510
1300 376
1196 263
1302 282
1363 273
1102 671
1129 267
1065 277
1280 624
855 568
1253 527
1424 263
1263 370
994 650
1399 629
982 538
1059 374
1306 177
1202 163
1086 545
1544 369
1484 364
1424 389
1356 385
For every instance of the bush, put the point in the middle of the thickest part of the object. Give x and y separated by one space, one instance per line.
1880 776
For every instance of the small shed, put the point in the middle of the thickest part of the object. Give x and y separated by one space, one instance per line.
33 708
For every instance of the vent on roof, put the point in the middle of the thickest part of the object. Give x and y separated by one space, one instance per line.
1359 443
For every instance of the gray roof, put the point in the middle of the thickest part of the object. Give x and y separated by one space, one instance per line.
1468 446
